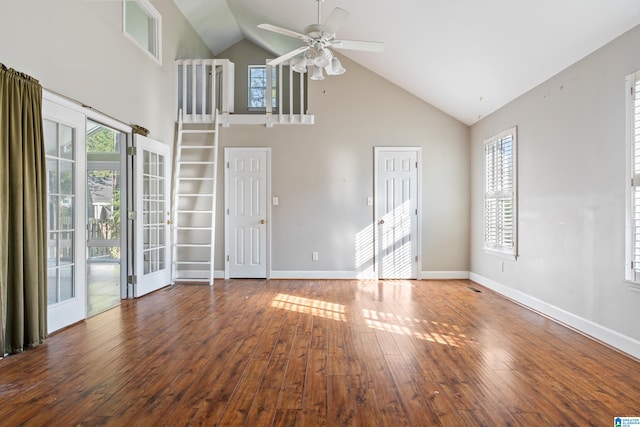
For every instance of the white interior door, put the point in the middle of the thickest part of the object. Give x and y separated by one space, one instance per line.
246 228
152 262
64 138
396 196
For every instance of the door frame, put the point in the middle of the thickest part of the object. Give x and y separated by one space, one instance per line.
227 235
376 218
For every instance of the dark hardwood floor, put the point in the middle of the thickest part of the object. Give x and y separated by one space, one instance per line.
313 353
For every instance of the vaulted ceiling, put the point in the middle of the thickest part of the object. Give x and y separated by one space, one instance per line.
465 57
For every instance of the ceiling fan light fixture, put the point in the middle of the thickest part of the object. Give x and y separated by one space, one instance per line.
317 39
336 67
317 74
300 66
322 58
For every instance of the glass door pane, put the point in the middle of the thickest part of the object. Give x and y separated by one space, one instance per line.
60 147
103 219
103 239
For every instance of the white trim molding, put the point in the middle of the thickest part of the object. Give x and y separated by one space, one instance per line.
355 275
444 275
601 333
315 275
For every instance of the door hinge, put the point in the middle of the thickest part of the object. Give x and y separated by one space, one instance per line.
227 165
416 212
131 151
227 211
416 165
228 258
416 258
131 215
132 279
631 91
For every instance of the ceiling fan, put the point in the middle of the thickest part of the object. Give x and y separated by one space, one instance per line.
317 39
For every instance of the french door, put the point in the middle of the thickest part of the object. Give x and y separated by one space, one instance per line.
152 260
246 226
64 137
396 212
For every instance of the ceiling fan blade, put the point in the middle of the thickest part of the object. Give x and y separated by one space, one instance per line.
335 20
288 55
284 31
358 45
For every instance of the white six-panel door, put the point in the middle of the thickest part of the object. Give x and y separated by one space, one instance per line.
396 195
246 209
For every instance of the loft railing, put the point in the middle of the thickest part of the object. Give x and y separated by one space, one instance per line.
204 85
292 102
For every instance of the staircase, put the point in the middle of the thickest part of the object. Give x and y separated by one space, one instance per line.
194 201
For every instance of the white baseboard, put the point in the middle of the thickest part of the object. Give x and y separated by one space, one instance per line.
314 275
608 336
444 275
350 275
197 274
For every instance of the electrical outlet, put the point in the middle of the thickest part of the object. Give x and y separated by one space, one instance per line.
314 256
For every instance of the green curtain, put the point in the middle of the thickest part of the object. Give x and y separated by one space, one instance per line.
23 217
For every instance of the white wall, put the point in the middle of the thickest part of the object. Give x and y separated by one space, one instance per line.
571 160
323 173
77 48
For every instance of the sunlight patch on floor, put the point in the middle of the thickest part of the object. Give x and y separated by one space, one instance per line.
314 307
441 334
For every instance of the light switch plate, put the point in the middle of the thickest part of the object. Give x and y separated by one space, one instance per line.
275 201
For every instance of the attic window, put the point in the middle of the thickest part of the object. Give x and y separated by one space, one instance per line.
258 79
142 23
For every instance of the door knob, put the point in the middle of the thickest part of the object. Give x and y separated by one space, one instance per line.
262 221
381 222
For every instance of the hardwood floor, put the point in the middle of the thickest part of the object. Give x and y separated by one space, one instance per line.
313 353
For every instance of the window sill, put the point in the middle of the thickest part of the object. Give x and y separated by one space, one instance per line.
501 254
631 285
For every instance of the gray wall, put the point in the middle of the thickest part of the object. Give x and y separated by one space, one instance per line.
571 160
77 48
323 173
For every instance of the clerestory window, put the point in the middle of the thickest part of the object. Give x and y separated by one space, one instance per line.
142 23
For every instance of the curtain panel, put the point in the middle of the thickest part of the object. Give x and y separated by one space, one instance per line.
23 217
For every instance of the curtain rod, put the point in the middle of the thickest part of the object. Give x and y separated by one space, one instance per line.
89 107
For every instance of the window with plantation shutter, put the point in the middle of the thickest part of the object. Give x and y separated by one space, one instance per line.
633 173
500 207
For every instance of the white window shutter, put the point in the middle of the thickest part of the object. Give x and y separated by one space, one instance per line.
500 193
